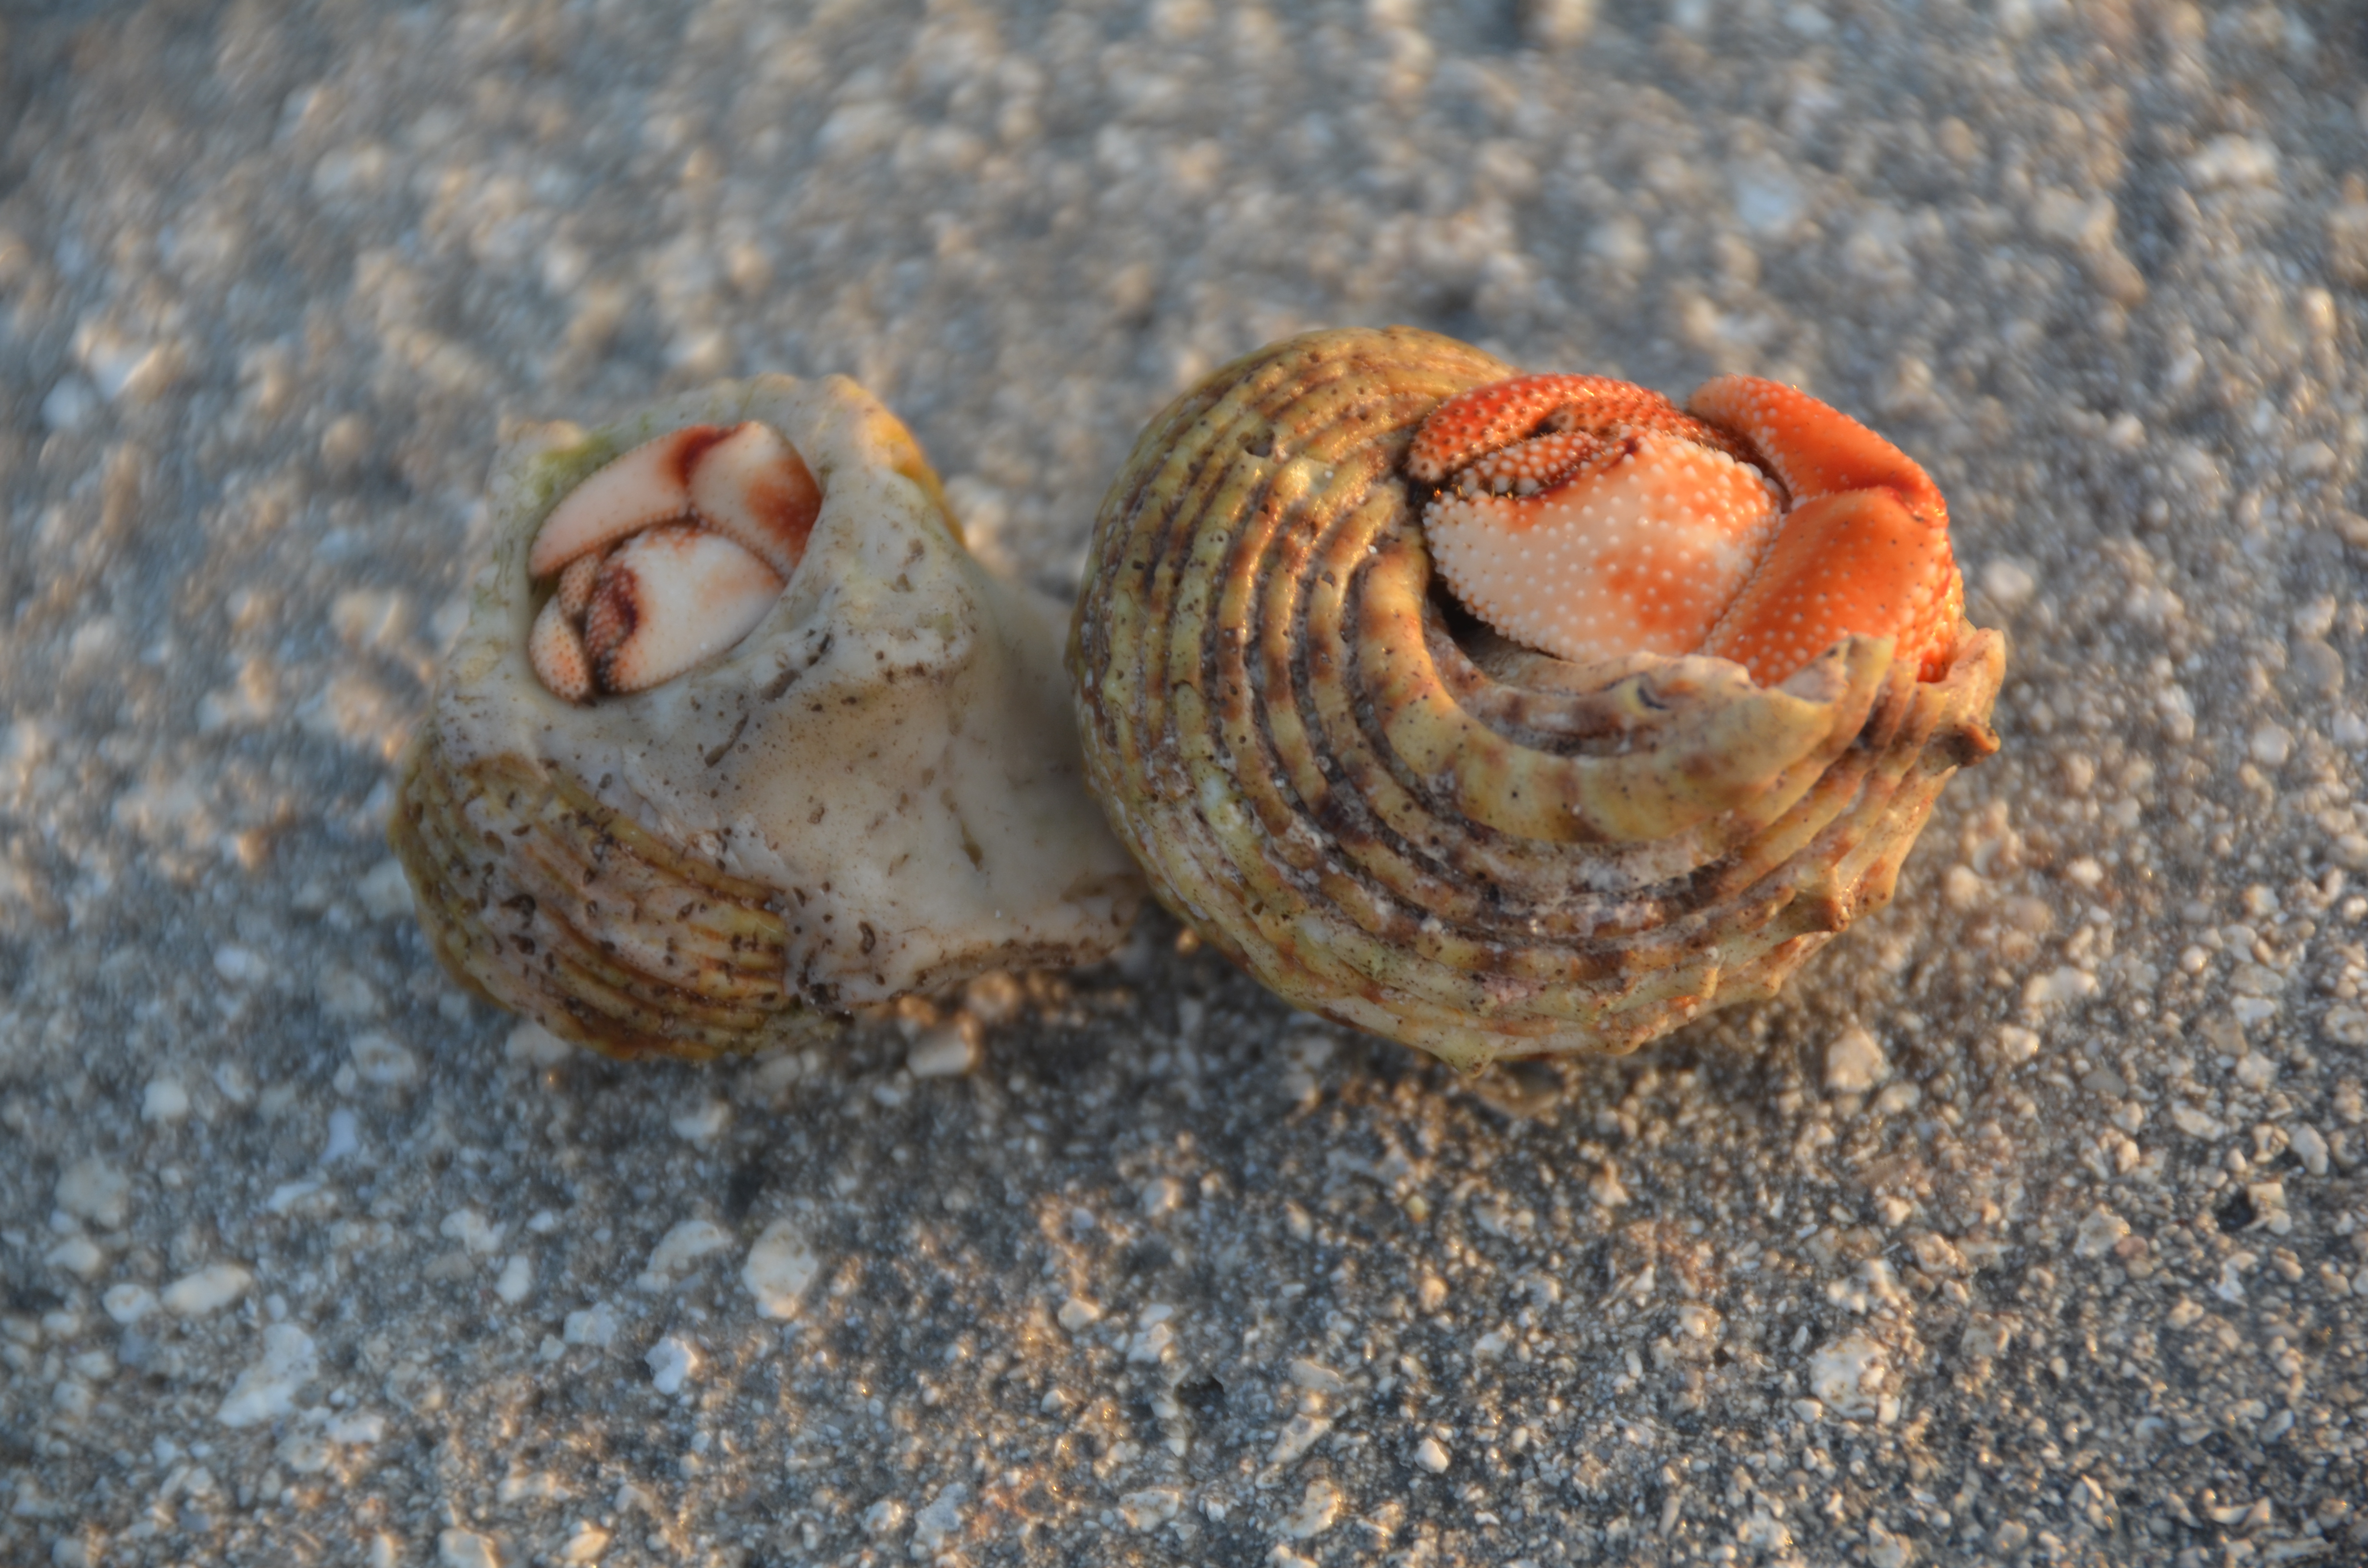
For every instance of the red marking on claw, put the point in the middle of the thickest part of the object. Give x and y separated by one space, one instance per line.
753 486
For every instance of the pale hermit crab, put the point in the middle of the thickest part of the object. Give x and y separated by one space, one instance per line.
1699 678
738 734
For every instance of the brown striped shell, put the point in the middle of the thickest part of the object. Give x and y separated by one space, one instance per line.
871 792
1409 825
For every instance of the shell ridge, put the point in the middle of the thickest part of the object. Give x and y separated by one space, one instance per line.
1271 758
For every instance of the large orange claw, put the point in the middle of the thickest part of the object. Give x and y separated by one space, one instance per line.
1865 548
1590 518
1856 561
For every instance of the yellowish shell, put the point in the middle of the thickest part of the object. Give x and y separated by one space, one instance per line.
1413 829
873 793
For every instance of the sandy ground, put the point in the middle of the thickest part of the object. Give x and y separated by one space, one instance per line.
2029 1227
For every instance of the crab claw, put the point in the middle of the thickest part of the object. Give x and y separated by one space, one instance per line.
1856 561
1863 549
1814 448
669 598
1589 518
556 649
649 484
752 487
1489 419
666 555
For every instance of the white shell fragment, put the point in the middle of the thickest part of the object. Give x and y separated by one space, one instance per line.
690 806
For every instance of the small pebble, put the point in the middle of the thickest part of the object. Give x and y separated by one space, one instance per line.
266 1389
1854 1062
780 1267
680 1247
208 1290
595 1325
164 1101
671 1360
94 1190
128 1303
76 1255
465 1548
382 1060
701 1120
945 1051
385 892
516 1280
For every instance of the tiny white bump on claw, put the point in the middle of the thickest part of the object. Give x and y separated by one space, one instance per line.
669 598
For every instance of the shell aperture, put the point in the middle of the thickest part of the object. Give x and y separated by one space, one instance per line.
1592 519
667 555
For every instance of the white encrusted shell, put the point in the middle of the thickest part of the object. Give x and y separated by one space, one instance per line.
882 778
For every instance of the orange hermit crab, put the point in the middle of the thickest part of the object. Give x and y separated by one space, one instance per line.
1720 674
1591 518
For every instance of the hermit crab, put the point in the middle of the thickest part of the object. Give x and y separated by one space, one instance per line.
1512 715
738 735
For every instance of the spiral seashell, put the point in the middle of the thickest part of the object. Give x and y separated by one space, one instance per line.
738 734
1408 820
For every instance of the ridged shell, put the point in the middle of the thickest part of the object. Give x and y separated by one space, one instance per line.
1309 757
875 791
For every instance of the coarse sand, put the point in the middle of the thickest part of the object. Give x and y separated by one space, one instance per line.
2029 1226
